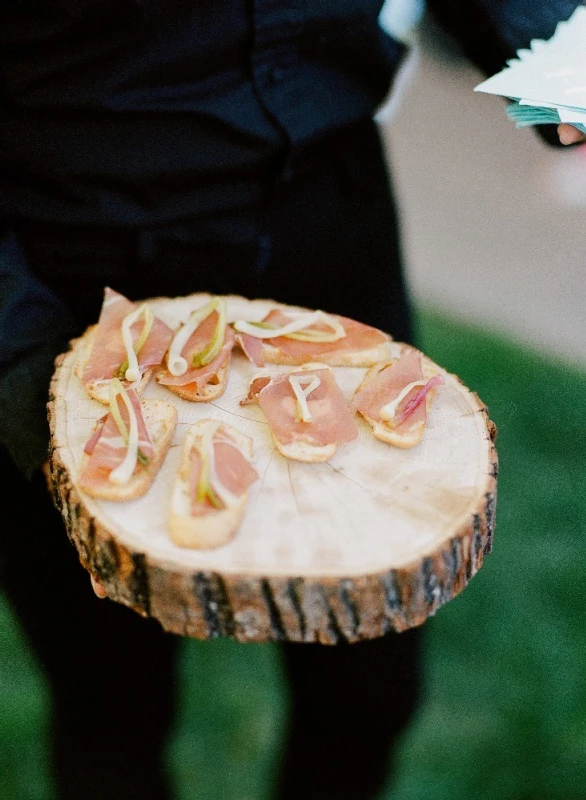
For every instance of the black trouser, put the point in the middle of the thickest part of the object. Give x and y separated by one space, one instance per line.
328 239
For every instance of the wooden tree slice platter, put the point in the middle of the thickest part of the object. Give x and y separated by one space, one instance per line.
376 539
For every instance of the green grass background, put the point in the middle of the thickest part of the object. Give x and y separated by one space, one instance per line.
505 710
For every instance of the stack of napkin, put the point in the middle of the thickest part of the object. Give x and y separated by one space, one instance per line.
547 82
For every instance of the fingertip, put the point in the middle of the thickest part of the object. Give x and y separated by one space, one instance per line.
568 134
563 135
98 588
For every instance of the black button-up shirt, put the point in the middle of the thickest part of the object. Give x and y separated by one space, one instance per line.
134 111
131 112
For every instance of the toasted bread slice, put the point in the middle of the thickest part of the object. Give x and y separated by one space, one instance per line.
301 449
207 530
305 451
211 391
160 419
100 390
407 438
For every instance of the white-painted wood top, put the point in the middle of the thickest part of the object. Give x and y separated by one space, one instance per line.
371 507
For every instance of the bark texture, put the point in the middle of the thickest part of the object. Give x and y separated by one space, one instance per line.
262 605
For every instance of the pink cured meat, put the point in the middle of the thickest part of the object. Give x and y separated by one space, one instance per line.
332 421
388 384
256 384
93 440
417 398
109 449
233 470
252 348
358 337
198 340
109 352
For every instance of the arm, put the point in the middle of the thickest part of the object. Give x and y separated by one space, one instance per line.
35 326
491 31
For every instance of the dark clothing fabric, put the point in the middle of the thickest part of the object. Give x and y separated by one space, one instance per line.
491 31
132 112
112 679
330 240
167 148
136 113
349 704
110 672
35 326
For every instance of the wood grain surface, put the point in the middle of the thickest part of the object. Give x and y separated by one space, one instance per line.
376 539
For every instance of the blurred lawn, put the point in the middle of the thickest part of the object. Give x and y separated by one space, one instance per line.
505 713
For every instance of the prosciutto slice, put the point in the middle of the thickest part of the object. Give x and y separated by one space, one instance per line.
387 385
231 468
198 341
107 448
358 337
93 440
252 348
332 421
108 351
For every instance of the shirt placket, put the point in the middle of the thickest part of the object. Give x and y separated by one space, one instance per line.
277 32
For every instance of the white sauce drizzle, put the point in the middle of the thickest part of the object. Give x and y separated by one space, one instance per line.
133 372
176 364
388 411
123 472
302 394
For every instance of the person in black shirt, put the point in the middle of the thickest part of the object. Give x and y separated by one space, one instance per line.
165 149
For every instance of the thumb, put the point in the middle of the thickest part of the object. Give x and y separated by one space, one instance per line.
570 135
98 588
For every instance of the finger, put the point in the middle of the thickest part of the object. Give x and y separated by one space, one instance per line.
570 135
46 470
98 588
